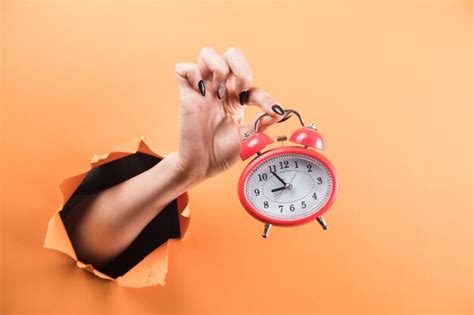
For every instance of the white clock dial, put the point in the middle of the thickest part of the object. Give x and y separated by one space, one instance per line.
289 186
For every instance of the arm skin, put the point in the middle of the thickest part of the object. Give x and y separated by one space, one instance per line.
100 237
211 128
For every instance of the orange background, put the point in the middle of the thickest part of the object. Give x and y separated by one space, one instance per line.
389 85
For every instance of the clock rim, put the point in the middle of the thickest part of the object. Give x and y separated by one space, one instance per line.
270 154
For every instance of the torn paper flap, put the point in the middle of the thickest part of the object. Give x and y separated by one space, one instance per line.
149 271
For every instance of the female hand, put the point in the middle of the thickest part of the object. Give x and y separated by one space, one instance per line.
212 95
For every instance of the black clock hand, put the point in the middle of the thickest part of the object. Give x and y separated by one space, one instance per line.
279 178
279 188
286 185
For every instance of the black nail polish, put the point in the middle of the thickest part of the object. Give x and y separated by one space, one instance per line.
243 97
220 91
277 109
202 87
285 118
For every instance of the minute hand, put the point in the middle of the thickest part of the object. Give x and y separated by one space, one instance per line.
279 178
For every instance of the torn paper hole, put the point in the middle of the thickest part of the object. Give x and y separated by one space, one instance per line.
149 271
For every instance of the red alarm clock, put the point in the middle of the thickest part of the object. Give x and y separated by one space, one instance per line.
288 185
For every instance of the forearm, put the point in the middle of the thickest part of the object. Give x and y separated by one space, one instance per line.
113 218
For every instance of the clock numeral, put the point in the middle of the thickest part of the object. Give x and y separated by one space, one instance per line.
273 168
292 208
262 176
320 180
296 164
281 208
314 196
257 192
310 167
303 204
265 204
284 164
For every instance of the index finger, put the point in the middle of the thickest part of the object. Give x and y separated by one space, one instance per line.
240 68
261 98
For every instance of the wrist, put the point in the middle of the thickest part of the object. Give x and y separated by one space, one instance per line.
184 175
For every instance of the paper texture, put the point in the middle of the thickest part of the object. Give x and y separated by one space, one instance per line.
153 268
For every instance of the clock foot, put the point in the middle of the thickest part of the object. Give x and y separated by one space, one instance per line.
266 229
322 222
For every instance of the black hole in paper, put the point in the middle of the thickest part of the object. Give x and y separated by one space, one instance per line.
163 227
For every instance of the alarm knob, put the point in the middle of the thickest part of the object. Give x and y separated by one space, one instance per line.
309 137
253 144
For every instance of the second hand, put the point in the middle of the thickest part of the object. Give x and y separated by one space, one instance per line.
291 181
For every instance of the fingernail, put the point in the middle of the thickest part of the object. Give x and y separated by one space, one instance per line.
202 87
277 109
243 97
285 118
220 90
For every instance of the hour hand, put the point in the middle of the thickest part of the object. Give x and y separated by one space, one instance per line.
279 178
279 188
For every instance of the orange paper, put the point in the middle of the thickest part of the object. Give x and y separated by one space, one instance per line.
153 268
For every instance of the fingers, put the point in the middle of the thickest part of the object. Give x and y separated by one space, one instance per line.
259 97
211 64
232 64
265 122
189 72
240 68
230 72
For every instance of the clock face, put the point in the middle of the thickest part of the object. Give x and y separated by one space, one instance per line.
289 186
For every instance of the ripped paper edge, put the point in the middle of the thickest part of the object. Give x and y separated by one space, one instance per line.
151 270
